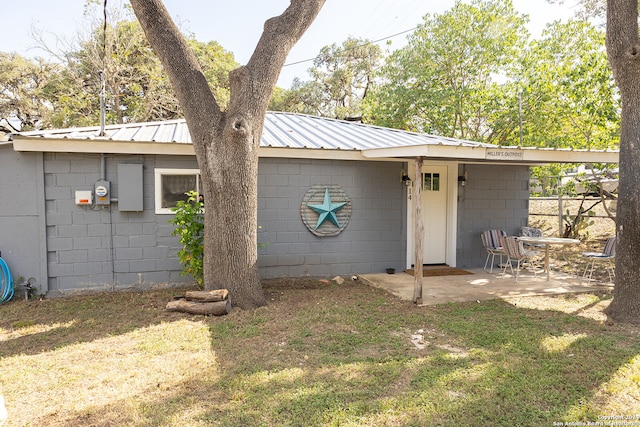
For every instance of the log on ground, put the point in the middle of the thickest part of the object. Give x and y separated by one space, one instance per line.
217 308
207 296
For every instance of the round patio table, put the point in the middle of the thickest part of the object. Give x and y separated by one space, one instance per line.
548 241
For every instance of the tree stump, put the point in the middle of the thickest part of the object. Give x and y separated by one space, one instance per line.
214 302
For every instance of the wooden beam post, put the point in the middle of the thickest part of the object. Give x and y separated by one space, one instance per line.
418 231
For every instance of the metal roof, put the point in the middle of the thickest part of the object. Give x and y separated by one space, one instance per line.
302 136
281 130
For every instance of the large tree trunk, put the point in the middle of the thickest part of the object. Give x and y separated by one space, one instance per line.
231 223
226 143
623 50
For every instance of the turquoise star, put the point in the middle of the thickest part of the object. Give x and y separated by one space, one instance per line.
327 210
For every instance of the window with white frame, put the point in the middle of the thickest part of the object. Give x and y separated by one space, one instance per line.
171 186
430 181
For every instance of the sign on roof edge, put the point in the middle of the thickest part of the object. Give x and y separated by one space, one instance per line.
504 154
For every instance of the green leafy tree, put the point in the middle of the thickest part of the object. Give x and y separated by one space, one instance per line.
569 97
278 101
444 81
341 77
137 87
22 89
568 94
302 97
216 64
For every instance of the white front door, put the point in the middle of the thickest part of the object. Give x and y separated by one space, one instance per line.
434 214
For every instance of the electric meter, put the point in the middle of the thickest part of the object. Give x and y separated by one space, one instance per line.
101 190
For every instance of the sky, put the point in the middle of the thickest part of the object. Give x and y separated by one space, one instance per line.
237 24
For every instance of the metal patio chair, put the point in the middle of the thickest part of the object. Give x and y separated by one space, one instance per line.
492 242
531 232
607 256
516 252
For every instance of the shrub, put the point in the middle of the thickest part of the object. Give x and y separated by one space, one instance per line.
189 222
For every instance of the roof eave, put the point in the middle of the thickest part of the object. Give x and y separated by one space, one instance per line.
425 150
514 155
310 153
69 145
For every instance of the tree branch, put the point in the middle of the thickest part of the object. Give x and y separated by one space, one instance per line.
198 103
258 79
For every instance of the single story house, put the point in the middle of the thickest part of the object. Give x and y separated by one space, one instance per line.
85 212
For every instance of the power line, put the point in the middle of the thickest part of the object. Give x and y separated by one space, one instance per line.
364 44
409 10
372 13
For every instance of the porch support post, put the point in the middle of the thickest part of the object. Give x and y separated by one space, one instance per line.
418 231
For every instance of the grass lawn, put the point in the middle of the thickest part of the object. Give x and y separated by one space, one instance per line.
318 355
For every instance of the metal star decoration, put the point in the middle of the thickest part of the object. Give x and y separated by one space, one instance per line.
327 210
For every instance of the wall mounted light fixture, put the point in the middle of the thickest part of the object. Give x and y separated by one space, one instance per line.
405 179
462 179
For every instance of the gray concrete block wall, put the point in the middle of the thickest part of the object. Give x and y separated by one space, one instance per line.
105 248
19 214
101 247
373 240
494 197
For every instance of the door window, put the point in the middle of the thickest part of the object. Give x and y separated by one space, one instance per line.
430 181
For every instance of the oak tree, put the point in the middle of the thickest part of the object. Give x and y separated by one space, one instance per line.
623 50
226 141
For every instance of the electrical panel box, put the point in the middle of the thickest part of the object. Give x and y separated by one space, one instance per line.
102 191
130 187
84 197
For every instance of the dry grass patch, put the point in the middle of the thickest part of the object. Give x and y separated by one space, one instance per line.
317 355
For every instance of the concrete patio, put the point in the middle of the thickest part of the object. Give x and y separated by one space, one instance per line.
482 285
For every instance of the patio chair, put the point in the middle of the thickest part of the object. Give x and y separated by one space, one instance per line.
531 232
516 252
492 242
607 255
